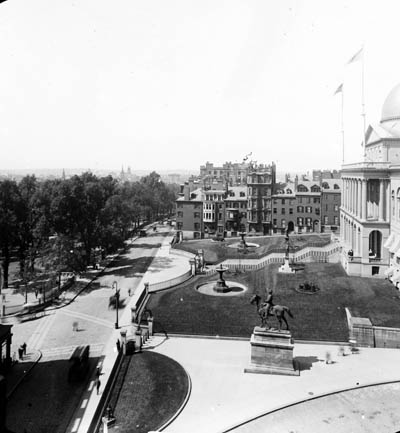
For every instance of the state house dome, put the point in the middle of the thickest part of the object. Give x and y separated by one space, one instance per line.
391 106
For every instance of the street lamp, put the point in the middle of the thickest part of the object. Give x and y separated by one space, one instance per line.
115 286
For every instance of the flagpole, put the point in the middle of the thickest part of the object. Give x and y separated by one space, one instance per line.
363 99
342 125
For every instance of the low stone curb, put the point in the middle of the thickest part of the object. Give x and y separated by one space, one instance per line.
296 402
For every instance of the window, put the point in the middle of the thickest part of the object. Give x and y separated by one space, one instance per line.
302 188
336 220
197 206
220 216
242 194
308 199
179 214
315 188
275 200
289 191
197 226
300 209
179 205
291 211
316 199
196 215
336 208
283 223
336 186
317 211
274 211
274 221
393 203
300 199
300 222
283 201
308 209
283 211
179 225
326 220
308 222
325 185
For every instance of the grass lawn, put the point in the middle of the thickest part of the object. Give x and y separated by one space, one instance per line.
150 389
215 251
320 316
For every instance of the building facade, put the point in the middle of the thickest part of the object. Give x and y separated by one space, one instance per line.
370 208
261 181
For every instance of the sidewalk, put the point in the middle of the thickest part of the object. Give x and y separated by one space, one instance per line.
163 267
223 396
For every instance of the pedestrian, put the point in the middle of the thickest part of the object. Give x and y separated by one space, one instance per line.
24 348
36 293
328 358
98 383
75 326
118 345
129 292
20 353
98 372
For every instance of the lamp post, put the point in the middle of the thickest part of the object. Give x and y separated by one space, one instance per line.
115 286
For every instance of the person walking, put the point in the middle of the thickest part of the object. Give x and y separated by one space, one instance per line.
98 383
24 348
20 353
118 343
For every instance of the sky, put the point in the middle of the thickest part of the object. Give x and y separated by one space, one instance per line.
171 84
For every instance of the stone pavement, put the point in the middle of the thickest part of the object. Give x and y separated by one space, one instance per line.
223 396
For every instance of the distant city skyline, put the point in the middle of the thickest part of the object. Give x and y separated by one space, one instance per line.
162 85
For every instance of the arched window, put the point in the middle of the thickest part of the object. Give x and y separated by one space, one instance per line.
325 185
289 191
302 188
336 186
315 188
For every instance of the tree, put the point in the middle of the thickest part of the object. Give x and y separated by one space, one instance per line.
10 207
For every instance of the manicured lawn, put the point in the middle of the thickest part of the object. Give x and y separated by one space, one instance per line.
215 251
150 389
319 316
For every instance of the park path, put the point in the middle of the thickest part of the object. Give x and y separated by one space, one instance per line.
223 396
49 393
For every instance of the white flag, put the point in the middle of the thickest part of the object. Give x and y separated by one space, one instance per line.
357 56
339 90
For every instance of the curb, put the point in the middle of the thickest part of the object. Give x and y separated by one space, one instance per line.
294 403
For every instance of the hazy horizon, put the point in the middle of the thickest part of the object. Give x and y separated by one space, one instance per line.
174 84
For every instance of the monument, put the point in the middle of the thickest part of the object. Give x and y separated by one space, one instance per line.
271 349
285 268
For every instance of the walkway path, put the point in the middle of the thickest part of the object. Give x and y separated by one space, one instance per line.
53 336
223 396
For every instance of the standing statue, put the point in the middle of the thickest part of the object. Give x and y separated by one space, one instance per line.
267 308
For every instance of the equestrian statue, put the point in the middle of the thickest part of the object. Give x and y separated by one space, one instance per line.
267 308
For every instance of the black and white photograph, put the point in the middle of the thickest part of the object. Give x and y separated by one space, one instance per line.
199 216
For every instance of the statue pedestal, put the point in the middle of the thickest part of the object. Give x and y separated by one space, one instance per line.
285 268
271 352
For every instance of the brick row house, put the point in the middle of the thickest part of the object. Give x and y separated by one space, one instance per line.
214 208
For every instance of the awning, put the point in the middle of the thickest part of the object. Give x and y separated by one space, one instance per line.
389 240
395 245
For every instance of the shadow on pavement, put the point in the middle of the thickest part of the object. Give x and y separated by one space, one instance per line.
302 363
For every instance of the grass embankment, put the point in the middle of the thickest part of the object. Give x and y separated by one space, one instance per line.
320 316
150 389
215 251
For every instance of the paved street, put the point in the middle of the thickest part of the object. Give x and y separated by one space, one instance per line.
45 395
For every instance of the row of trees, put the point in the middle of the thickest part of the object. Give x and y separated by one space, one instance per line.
62 223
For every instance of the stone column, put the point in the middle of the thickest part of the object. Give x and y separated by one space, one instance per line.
381 215
359 200
364 199
388 198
